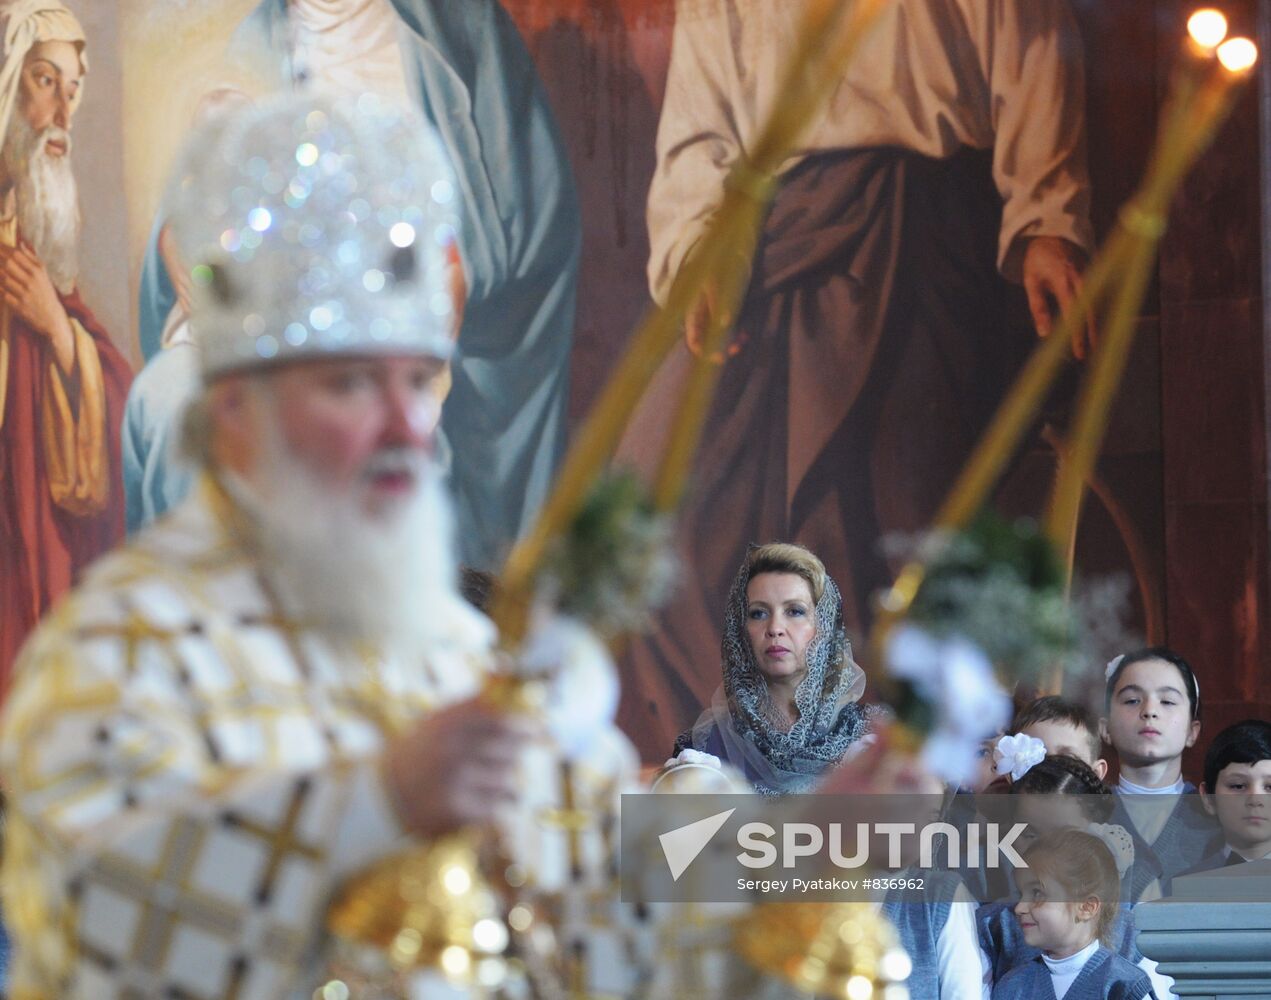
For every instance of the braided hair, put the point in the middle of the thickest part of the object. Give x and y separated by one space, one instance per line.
1060 774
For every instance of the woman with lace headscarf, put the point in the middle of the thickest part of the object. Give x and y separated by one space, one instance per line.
788 708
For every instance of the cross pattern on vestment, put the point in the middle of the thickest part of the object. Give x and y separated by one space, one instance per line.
167 899
283 842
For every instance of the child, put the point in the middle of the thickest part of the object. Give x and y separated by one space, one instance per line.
1237 791
1064 727
1062 793
940 936
1068 904
1153 714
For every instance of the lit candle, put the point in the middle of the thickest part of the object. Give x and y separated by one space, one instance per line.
1237 55
1207 28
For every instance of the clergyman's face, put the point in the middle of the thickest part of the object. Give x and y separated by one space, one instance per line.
48 91
360 425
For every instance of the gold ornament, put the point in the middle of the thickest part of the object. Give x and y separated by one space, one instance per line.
427 909
826 949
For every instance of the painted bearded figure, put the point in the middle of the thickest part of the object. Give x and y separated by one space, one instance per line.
62 382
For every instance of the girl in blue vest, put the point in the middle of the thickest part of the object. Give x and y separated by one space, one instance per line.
1061 793
1069 895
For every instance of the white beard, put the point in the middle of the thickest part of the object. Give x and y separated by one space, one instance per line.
389 581
47 199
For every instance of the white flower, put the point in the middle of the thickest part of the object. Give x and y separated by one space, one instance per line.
1017 753
954 677
1118 841
913 655
950 757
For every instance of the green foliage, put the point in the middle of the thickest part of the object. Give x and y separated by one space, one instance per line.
614 566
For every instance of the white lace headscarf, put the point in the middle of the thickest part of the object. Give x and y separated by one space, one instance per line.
829 718
28 22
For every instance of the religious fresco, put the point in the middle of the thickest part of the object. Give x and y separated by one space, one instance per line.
62 379
882 322
842 440
562 121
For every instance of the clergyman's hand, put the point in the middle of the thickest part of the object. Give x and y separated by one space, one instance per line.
457 767
28 291
1052 278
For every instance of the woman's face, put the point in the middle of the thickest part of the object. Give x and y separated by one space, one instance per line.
780 622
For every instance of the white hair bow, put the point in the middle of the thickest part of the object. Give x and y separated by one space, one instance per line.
1112 666
1017 753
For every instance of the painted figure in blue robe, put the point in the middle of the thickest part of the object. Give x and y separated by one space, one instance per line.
465 67
155 476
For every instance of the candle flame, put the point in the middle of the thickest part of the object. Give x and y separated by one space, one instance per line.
1237 55
1207 27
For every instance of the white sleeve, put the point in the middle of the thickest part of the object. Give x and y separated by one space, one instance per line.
963 967
1036 78
1150 893
697 140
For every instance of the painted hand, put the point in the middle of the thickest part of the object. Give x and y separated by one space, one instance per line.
1052 278
28 291
177 272
697 325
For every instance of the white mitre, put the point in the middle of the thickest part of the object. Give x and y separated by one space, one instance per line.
316 227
